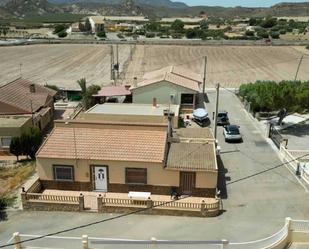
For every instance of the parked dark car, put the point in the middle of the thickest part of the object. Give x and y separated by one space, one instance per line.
223 118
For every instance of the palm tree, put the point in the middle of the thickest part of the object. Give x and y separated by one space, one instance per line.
83 86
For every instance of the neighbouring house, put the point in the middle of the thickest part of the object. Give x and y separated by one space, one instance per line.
24 104
12 126
97 156
172 85
97 24
114 93
138 113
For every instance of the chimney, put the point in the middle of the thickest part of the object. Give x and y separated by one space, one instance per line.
154 102
127 87
32 88
135 82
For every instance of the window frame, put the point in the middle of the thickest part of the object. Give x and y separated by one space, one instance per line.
63 166
136 169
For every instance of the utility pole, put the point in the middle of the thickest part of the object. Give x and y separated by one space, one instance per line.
298 67
204 79
117 58
216 113
112 63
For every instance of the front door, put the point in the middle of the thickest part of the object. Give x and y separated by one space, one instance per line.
100 178
187 182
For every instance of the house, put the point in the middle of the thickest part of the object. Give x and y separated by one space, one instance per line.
106 157
129 112
12 126
172 85
24 104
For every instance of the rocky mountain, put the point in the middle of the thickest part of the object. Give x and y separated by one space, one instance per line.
155 3
22 8
150 8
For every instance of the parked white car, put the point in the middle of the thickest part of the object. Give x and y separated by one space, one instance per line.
232 133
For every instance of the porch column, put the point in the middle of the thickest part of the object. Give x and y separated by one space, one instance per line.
85 242
149 203
225 244
17 240
81 202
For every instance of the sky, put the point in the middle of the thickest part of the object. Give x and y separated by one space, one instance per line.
232 3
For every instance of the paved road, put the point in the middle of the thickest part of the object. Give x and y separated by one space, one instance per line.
255 206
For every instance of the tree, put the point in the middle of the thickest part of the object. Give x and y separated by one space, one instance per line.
252 21
101 34
62 34
87 99
16 148
204 25
191 33
153 26
88 27
249 33
275 35
178 25
35 138
58 28
262 33
269 22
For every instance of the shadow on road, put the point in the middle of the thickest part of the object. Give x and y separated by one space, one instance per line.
222 178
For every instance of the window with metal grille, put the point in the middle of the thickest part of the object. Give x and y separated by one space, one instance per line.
136 176
5 142
63 173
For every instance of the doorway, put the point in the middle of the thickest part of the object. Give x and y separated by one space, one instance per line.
187 182
100 178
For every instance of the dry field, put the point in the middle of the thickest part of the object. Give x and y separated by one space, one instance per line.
63 65
60 65
229 65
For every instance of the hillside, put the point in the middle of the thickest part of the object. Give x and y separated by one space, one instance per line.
150 8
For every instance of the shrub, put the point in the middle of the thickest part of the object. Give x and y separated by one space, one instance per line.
275 35
307 47
249 33
62 34
150 35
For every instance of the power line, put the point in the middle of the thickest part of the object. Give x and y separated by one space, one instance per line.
266 170
143 209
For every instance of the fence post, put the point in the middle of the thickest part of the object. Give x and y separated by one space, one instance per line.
85 242
17 240
154 244
203 207
288 223
225 244
267 131
149 203
100 203
81 202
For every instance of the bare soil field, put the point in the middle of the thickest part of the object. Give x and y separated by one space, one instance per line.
64 64
229 65
60 65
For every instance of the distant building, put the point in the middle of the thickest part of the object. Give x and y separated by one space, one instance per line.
97 24
169 85
24 104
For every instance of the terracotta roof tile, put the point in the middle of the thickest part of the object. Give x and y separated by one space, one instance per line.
105 144
192 157
17 94
173 78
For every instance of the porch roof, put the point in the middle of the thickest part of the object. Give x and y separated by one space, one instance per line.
192 156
